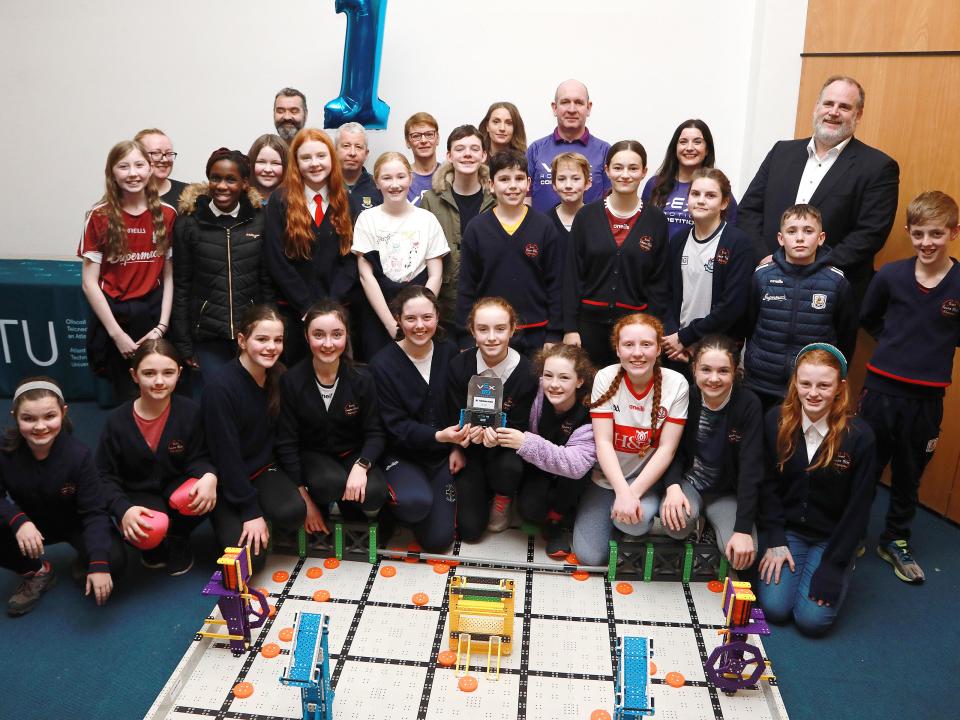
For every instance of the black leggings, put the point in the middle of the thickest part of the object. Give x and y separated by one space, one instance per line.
424 496
542 492
489 471
326 478
12 559
280 502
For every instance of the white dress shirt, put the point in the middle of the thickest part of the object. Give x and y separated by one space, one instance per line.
816 168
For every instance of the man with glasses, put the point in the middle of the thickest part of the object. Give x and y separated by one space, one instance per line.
161 156
571 106
289 112
422 134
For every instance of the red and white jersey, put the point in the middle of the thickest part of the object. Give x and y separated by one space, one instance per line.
630 410
140 270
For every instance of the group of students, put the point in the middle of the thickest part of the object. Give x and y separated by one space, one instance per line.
474 281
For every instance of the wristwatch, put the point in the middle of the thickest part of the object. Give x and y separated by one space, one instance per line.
363 462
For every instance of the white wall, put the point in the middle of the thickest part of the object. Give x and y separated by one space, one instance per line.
77 76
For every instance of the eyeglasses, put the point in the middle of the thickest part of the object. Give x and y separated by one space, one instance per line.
418 136
157 155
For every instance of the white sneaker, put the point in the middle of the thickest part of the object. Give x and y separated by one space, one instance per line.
499 514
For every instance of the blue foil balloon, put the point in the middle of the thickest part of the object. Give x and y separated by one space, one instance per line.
358 101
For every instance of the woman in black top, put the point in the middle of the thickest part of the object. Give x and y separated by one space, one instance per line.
329 437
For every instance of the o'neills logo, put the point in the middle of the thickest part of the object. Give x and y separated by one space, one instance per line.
950 308
531 250
842 462
175 447
628 439
350 409
722 257
734 435
645 243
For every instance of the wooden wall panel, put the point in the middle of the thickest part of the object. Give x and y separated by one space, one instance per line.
911 113
881 26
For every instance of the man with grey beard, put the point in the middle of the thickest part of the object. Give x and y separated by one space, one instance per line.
854 186
289 112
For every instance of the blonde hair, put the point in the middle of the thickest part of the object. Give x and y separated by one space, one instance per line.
390 156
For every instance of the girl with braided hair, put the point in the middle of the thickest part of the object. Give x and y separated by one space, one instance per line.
217 243
127 275
638 409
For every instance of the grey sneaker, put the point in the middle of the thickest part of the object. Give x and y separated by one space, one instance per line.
499 514
897 553
28 593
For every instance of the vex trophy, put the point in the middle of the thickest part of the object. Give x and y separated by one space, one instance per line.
484 403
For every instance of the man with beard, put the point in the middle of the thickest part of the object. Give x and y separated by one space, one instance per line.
289 112
854 186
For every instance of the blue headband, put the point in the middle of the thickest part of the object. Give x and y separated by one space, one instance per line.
826 347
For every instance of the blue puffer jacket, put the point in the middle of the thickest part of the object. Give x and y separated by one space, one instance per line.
792 306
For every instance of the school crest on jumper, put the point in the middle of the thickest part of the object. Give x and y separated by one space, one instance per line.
531 250
819 301
68 489
350 409
950 308
842 462
175 447
734 435
567 427
645 243
722 257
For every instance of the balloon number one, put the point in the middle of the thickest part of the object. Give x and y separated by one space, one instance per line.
358 101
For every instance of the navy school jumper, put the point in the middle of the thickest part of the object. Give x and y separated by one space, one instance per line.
524 268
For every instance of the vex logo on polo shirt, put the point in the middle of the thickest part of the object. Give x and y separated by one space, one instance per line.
627 439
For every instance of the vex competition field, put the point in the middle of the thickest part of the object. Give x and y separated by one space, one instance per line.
387 630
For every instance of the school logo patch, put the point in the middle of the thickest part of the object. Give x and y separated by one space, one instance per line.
176 447
350 409
567 427
531 250
819 301
932 445
950 308
645 243
367 202
734 435
842 462
722 257
68 489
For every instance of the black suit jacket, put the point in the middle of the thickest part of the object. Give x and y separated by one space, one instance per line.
857 198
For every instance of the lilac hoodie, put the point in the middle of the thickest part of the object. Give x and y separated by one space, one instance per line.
573 460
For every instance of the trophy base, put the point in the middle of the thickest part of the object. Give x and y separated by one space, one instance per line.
483 419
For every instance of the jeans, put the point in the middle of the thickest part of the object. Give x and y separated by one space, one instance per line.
593 527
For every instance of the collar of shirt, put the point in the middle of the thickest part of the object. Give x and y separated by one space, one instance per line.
831 154
820 426
311 203
583 139
502 369
217 212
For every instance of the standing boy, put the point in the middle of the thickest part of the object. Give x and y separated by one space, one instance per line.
512 252
460 193
912 308
796 299
422 134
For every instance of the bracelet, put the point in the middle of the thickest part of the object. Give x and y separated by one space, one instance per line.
157 328
163 325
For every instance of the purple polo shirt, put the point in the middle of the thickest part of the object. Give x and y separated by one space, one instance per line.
540 154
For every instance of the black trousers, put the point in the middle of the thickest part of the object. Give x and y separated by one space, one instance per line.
906 430
326 478
12 559
542 492
488 472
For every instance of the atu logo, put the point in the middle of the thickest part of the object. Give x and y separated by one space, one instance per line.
362 48
4 340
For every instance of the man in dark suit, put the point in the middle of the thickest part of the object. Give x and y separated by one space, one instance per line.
854 186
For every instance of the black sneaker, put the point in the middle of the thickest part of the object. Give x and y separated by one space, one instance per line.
558 542
179 557
155 558
28 593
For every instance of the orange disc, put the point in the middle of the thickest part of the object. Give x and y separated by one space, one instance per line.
599 715
715 586
265 591
412 547
281 576
572 559
581 575
447 658
653 668
243 690
270 650
674 679
420 599
624 588
441 568
331 563
321 596
285 634
468 683
388 571
273 611
314 572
